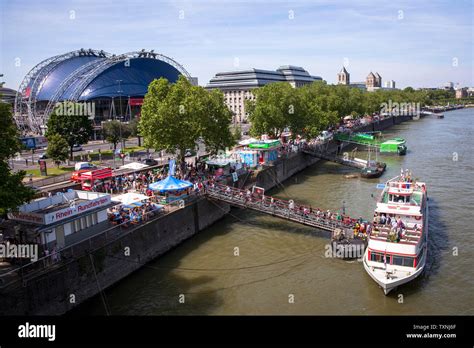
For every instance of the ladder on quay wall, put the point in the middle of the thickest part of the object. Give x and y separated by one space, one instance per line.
279 208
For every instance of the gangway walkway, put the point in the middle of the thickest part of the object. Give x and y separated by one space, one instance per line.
288 210
325 155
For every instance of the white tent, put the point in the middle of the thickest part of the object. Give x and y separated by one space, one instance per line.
134 165
129 198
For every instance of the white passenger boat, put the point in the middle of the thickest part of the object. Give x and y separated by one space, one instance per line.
397 251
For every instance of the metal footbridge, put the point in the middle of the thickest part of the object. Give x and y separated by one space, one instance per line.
349 161
288 210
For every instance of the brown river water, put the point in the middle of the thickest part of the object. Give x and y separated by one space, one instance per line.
281 262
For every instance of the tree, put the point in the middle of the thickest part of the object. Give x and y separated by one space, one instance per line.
323 107
175 116
115 132
12 191
273 109
75 129
216 122
58 148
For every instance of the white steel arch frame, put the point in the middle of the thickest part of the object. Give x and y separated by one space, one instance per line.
25 113
29 119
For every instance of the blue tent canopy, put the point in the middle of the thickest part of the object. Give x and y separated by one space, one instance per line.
170 184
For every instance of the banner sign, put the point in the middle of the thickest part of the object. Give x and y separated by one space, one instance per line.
43 168
136 101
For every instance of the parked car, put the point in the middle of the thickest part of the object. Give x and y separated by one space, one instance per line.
43 156
84 165
77 148
150 162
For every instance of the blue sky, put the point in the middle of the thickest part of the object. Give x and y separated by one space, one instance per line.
414 42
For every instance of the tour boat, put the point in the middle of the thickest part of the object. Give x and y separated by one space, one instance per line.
397 255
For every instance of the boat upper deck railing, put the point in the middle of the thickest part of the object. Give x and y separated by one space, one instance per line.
387 234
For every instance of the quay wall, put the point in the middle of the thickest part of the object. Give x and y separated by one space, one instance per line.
81 279
66 286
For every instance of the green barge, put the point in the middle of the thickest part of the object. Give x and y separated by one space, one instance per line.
394 145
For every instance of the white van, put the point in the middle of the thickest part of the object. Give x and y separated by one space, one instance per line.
84 165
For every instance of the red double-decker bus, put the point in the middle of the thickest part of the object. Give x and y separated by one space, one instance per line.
97 177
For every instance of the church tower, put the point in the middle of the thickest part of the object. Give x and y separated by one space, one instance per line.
343 77
378 80
371 80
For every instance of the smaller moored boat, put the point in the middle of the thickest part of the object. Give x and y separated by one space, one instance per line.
373 171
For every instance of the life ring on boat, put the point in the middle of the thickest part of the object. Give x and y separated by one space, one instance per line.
418 217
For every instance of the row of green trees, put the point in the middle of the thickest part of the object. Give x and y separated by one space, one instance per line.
312 108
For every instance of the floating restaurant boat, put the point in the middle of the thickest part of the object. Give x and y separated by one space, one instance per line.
396 253
394 145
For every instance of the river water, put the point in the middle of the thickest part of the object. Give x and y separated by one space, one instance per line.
281 266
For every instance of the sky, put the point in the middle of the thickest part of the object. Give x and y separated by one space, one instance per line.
417 43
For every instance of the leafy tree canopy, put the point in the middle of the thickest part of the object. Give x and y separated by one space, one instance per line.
116 131
58 148
75 129
12 191
175 116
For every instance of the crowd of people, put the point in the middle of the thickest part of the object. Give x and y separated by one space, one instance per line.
360 227
125 215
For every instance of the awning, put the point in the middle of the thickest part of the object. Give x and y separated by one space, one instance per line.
170 184
129 198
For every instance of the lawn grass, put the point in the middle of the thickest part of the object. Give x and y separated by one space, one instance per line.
52 171
107 154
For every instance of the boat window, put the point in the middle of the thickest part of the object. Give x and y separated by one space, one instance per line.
377 257
403 261
397 260
408 261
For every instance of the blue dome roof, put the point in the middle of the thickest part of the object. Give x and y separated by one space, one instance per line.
84 77
59 73
135 79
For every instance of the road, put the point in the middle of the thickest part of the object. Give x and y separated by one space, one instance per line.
27 160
